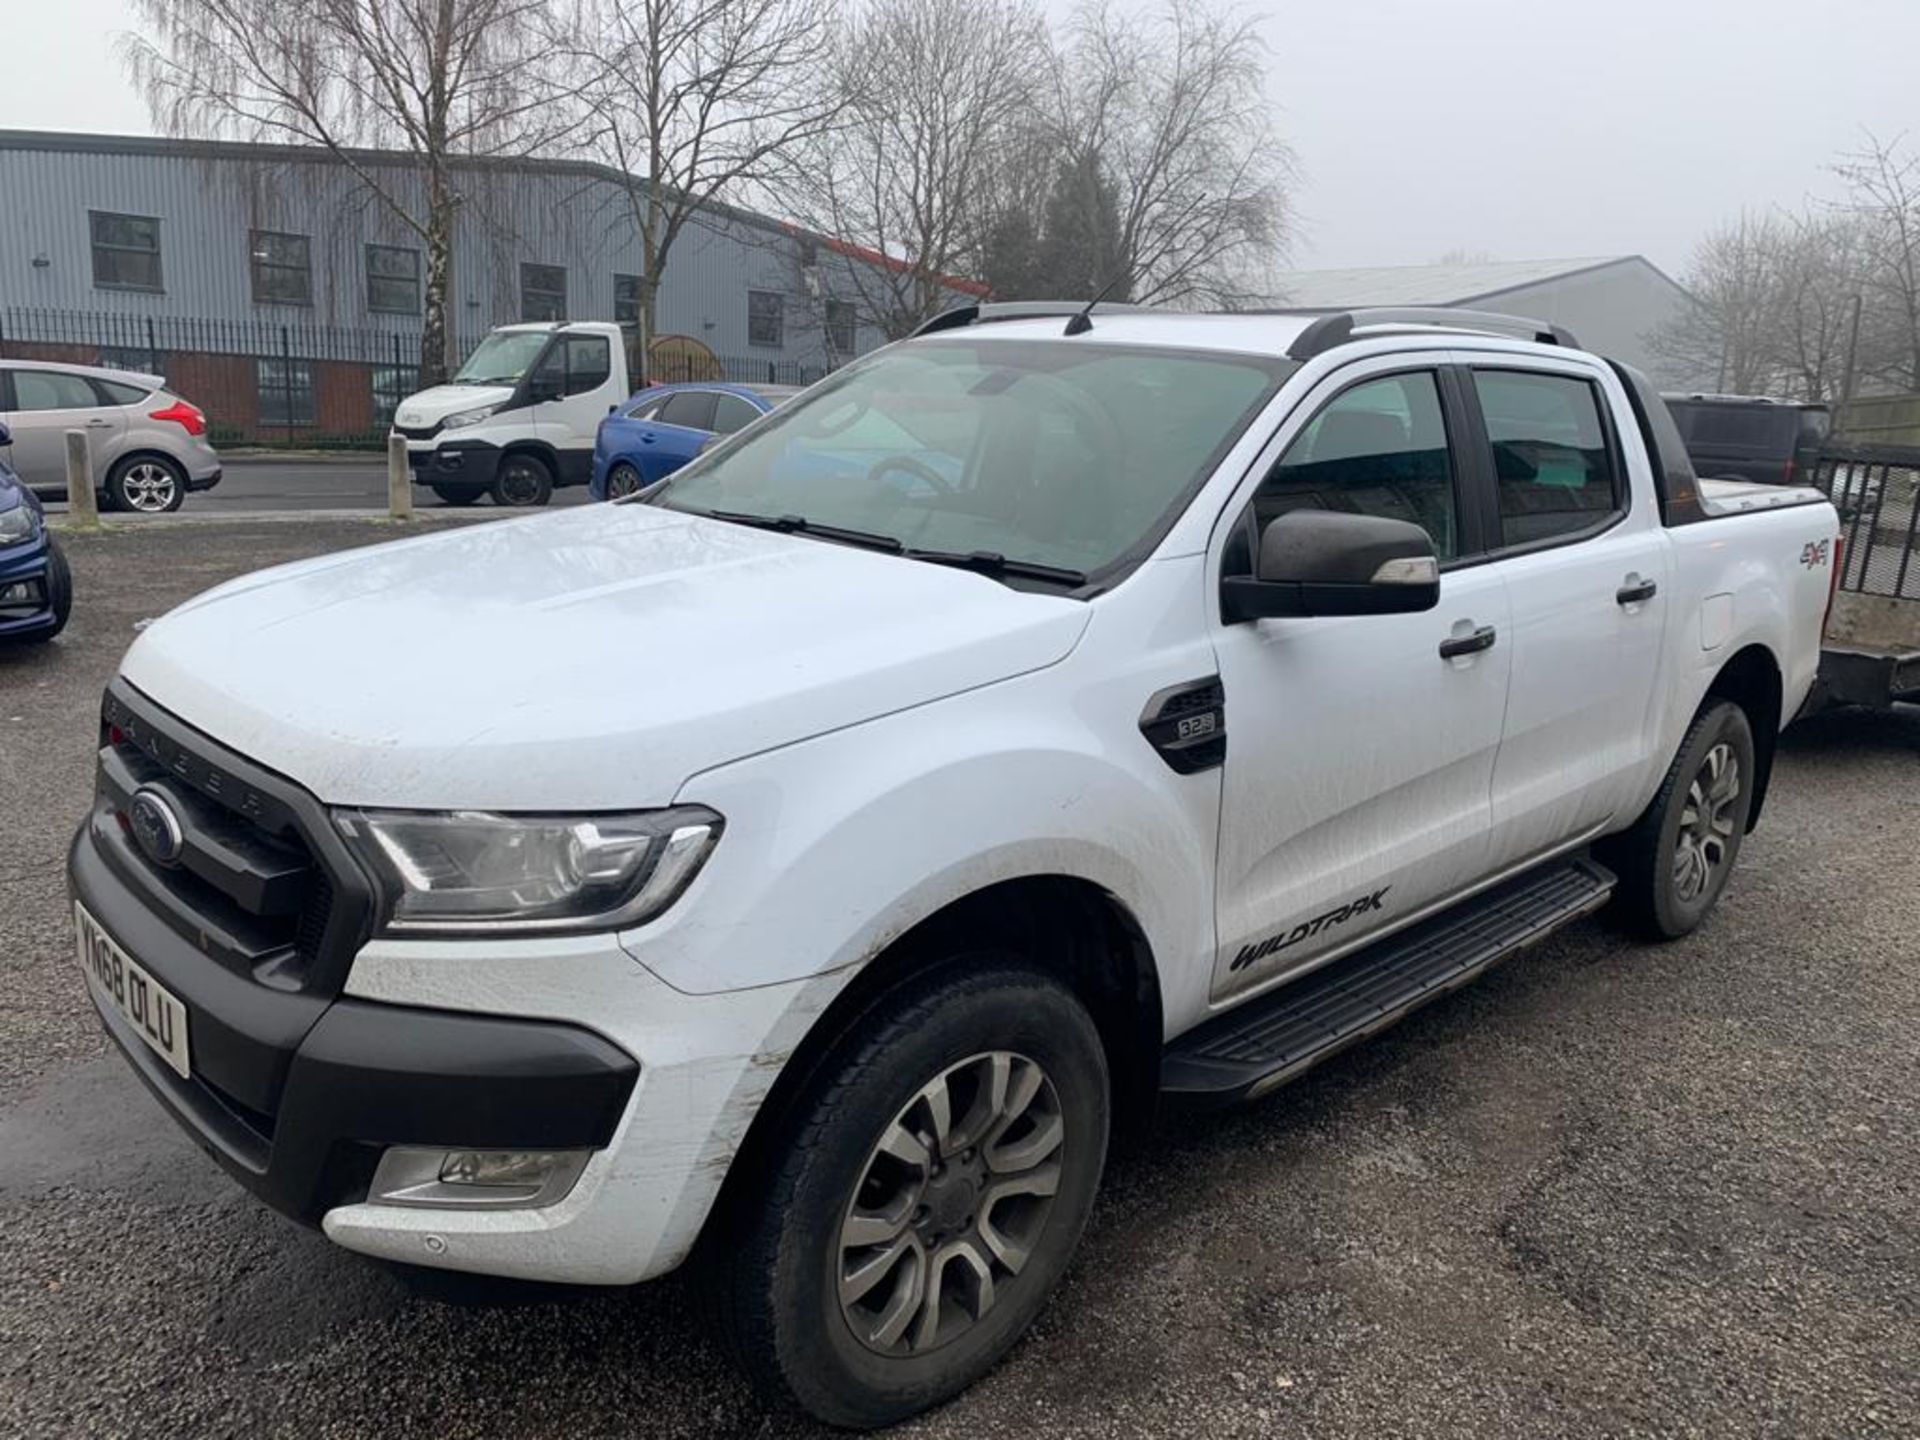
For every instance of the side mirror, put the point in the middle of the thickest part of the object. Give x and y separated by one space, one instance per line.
6 434
1327 562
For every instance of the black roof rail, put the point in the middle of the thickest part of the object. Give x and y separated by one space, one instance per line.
987 312
1336 327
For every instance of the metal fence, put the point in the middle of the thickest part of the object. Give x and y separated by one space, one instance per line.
1876 489
301 382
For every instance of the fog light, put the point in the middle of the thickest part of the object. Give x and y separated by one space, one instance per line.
21 592
466 1179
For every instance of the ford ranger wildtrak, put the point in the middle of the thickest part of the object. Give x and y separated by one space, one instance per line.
805 866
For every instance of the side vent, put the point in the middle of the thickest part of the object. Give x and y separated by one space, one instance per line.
1187 724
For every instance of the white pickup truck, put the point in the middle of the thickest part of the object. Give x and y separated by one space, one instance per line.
519 418
807 867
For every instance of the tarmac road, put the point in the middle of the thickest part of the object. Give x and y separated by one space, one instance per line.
1609 1190
252 485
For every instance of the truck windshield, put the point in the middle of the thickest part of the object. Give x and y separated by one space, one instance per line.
1064 454
502 358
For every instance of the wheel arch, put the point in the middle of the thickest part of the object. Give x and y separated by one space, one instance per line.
1751 680
1068 926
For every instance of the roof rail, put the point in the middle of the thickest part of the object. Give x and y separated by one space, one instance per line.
1336 327
986 313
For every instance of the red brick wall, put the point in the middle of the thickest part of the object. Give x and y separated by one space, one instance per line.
64 354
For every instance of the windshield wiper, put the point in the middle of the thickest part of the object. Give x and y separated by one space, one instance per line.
800 525
992 562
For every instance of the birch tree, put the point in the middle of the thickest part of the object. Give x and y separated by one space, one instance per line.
439 81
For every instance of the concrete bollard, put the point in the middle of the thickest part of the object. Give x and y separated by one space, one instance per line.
83 511
399 479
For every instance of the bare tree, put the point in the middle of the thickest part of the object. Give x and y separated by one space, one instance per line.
1734 281
442 81
1171 109
1884 180
697 101
930 90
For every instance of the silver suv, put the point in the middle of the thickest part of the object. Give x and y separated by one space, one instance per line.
149 446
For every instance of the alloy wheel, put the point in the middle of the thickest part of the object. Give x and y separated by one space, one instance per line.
1707 822
950 1204
148 486
623 481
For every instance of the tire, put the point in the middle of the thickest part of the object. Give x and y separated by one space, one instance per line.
60 591
1674 862
522 480
146 485
623 479
458 494
797 1248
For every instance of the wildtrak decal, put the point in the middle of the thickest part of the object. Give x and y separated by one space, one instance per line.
1307 929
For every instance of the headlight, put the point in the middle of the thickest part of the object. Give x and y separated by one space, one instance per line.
473 871
22 522
467 417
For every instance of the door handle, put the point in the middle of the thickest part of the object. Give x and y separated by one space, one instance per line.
98 424
1454 646
646 437
1634 591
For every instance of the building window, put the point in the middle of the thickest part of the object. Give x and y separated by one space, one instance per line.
286 391
843 331
766 318
393 279
626 301
391 385
543 292
126 251
282 268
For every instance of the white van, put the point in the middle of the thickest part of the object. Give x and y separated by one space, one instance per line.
519 417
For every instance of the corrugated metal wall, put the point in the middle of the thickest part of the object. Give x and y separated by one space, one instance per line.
208 204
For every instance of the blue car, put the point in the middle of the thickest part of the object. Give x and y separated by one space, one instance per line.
665 426
36 588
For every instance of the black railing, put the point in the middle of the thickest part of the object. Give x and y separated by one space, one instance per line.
1876 489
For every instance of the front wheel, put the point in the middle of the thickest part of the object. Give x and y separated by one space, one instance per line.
925 1196
623 479
146 484
457 494
522 480
59 596
1675 861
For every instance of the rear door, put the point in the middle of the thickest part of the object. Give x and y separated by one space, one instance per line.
45 405
1359 759
1587 568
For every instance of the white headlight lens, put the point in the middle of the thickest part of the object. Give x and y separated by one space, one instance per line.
472 871
20 523
467 417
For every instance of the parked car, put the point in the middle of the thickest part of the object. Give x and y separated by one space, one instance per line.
36 587
1751 437
518 419
665 426
149 445
868 856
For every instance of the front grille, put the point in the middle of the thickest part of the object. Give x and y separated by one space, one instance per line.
259 885
417 432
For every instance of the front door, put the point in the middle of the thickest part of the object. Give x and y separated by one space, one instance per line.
1359 759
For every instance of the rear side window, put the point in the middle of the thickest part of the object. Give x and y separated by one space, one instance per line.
1759 430
731 413
691 408
1553 465
52 390
117 394
1377 449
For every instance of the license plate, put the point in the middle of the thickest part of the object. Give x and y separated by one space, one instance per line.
156 1014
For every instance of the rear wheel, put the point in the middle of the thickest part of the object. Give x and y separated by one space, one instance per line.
458 494
146 484
1676 860
522 480
924 1197
623 479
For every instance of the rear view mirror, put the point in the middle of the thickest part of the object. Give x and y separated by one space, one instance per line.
1327 562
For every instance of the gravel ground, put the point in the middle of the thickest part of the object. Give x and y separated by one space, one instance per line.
1610 1190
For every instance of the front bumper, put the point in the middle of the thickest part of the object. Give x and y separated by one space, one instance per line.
28 563
296 1094
454 462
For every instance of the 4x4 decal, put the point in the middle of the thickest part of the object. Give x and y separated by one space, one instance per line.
1307 929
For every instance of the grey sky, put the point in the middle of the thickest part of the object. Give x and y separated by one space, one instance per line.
1519 128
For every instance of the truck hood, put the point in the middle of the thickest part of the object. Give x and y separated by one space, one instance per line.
591 659
430 407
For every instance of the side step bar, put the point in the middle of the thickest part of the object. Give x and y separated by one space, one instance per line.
1250 1050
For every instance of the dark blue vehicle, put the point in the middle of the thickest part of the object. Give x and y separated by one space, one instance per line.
36 588
664 426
